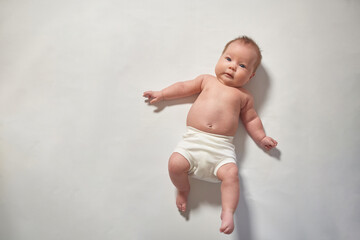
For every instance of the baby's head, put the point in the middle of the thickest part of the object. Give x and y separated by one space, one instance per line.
251 43
238 62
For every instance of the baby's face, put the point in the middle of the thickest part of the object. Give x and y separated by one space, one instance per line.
236 65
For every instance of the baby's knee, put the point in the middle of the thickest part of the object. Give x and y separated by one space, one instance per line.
178 164
229 172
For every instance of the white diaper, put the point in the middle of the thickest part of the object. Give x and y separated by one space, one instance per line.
206 153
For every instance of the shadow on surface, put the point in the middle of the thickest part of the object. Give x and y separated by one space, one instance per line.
258 86
202 192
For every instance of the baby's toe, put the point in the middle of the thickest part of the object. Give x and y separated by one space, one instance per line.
182 207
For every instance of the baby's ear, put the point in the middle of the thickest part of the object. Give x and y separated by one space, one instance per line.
252 75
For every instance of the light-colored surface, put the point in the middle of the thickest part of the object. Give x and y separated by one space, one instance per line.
83 157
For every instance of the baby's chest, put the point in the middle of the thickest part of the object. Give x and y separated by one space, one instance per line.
227 97
223 103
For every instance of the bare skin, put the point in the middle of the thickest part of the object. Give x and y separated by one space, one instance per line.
178 171
221 103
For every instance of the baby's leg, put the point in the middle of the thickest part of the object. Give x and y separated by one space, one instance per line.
178 170
229 176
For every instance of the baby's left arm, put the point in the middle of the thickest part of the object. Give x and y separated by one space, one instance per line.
254 126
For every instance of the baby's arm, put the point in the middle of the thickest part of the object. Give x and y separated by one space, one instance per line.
254 126
177 90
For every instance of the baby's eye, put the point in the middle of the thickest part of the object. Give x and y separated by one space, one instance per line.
228 59
242 65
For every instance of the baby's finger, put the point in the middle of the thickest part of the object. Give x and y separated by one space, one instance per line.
272 142
154 100
147 94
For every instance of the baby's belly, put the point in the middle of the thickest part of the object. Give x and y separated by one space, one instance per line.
225 124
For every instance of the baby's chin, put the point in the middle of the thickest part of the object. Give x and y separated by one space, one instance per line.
230 83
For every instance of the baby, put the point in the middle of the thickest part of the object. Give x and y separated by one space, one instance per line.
207 151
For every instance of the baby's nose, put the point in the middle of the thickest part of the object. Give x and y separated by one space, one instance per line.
232 66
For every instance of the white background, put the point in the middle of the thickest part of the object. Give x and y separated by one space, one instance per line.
82 156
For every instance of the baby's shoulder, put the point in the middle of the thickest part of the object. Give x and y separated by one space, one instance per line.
245 92
205 80
246 97
207 77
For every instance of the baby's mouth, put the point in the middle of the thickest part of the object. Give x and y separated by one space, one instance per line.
228 75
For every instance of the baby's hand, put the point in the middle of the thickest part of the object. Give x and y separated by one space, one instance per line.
267 143
153 96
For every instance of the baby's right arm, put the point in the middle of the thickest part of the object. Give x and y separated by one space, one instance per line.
153 96
177 90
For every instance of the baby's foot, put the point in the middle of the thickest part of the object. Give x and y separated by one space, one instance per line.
181 200
227 224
